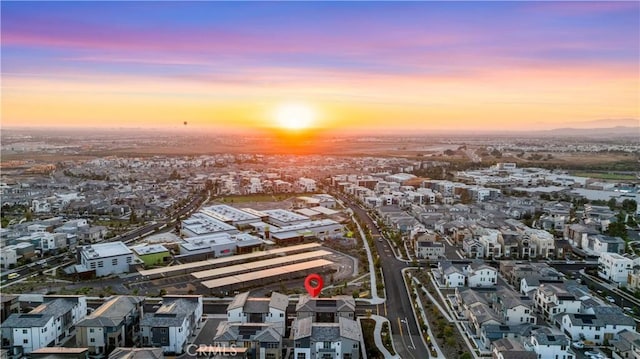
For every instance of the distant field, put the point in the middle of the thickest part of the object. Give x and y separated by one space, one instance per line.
606 176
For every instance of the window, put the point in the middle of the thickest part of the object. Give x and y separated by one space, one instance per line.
597 336
326 345
114 261
24 331
100 264
93 265
92 340
91 330
301 356
281 315
25 341
271 356
356 345
129 259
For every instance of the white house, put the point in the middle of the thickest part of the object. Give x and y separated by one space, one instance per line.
473 248
543 241
46 325
258 310
602 325
480 275
490 240
614 267
549 344
307 184
552 299
429 250
106 258
173 323
450 275
514 308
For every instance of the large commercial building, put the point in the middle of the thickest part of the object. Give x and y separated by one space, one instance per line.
106 258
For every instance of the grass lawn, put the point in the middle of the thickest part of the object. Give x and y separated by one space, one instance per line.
251 198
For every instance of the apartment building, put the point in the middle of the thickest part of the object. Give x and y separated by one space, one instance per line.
615 268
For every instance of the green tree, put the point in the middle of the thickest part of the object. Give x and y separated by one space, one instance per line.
612 203
618 228
133 218
629 205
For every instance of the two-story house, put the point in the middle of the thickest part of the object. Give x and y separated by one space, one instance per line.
601 326
173 323
113 324
325 328
255 323
46 325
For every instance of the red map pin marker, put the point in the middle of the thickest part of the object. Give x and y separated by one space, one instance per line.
313 291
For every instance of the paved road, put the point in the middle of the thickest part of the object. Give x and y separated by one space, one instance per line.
398 305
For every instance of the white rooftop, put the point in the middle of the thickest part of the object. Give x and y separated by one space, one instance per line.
231 213
149 249
105 250
285 216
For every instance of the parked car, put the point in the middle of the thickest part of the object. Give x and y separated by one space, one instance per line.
610 299
578 345
593 355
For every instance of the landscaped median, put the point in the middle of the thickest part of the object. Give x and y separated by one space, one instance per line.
441 336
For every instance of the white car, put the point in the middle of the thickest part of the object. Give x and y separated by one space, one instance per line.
578 345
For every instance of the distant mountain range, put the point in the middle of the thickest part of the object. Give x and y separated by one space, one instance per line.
617 131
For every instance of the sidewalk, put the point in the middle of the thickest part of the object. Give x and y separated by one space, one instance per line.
377 337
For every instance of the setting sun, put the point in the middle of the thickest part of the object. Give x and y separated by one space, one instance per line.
294 116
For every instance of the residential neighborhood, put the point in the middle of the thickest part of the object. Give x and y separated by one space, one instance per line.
207 257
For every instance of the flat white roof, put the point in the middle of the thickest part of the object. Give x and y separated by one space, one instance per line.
307 212
305 225
103 250
202 222
289 269
324 210
259 265
285 216
224 260
231 213
149 249
254 212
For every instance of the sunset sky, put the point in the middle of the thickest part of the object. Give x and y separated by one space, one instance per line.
354 65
